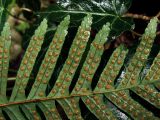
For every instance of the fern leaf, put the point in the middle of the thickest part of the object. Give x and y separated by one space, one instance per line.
96 105
92 61
28 62
14 113
74 57
27 112
30 111
149 93
40 106
123 101
71 108
48 64
110 72
5 42
132 72
50 110
47 114
154 71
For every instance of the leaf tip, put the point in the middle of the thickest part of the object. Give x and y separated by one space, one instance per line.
67 17
152 28
6 30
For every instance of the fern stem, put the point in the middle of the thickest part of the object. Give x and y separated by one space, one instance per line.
78 95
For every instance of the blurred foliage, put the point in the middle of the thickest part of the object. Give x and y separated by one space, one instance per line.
102 11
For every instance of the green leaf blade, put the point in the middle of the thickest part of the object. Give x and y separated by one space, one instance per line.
139 59
49 62
71 108
149 93
123 101
92 61
75 54
28 62
97 106
110 72
5 43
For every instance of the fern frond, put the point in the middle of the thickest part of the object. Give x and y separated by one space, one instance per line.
50 110
21 107
92 61
28 62
149 93
110 72
154 72
136 64
71 108
48 64
96 105
14 112
123 101
30 111
78 47
5 42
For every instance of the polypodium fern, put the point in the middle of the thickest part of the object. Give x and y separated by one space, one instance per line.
20 106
